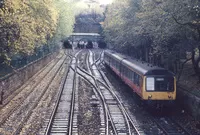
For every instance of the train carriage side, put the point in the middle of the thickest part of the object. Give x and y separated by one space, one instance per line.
131 76
149 82
107 58
113 61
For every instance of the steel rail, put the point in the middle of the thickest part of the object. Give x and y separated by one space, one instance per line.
70 129
98 91
49 126
107 86
97 59
89 66
130 120
72 102
100 95
123 108
182 128
123 111
175 123
17 130
10 112
96 86
112 122
53 114
61 88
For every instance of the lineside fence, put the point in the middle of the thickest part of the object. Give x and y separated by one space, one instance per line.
20 60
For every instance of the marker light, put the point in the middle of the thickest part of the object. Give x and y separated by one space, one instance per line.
150 96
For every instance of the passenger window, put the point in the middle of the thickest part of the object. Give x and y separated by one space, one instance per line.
132 76
150 83
140 81
129 74
135 78
117 65
122 68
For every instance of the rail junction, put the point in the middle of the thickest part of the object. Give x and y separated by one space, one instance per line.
115 119
88 101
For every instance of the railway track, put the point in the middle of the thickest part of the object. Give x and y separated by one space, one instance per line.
18 115
117 120
116 106
167 126
164 125
62 119
33 82
114 117
10 94
170 127
7 98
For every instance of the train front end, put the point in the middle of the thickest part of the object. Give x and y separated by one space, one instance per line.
159 89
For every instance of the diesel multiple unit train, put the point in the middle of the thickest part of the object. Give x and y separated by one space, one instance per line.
151 83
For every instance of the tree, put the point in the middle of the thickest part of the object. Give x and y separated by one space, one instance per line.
160 29
174 26
66 19
26 25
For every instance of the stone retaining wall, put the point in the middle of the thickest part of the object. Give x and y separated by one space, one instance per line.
189 101
11 82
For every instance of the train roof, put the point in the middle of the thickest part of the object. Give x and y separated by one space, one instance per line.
115 55
139 66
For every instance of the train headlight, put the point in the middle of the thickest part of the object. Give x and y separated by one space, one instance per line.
150 96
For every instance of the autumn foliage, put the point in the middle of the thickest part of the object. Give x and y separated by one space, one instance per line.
28 24
161 32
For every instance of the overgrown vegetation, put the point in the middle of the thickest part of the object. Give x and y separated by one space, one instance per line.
27 25
157 31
